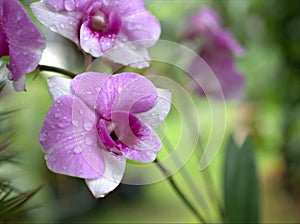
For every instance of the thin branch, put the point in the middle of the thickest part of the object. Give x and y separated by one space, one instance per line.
54 69
179 192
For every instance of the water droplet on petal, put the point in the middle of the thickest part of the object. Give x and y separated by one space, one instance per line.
51 84
81 112
102 195
119 89
87 125
44 136
77 150
53 27
70 5
62 25
46 156
62 124
88 141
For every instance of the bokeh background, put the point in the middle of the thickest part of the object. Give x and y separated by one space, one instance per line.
269 30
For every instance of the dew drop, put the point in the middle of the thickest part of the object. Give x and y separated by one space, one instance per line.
119 89
62 124
44 136
102 195
70 5
46 156
77 150
51 84
53 27
81 112
87 125
88 141
62 25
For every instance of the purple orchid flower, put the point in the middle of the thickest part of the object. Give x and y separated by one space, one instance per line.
99 120
97 26
217 50
21 40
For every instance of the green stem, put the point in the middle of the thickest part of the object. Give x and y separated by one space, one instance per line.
54 69
179 192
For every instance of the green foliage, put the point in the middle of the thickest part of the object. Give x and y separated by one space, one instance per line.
11 200
241 194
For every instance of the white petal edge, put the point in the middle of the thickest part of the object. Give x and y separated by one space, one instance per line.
63 23
128 54
159 112
114 171
59 86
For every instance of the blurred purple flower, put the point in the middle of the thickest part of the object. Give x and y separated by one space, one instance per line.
217 49
98 25
21 40
99 120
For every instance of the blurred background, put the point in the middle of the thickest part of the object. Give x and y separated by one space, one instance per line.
269 30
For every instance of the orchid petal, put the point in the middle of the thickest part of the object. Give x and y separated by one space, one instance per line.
138 140
133 22
66 24
69 139
222 64
57 5
128 53
126 92
114 170
92 43
145 156
87 86
24 41
3 44
159 112
59 86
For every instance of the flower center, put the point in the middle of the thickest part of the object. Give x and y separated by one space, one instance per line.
114 136
99 21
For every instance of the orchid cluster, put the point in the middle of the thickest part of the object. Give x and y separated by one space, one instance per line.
97 120
217 47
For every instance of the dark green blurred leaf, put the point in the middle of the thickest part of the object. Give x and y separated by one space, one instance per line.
241 196
11 200
2 85
10 206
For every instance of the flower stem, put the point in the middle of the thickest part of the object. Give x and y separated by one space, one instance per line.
54 69
179 192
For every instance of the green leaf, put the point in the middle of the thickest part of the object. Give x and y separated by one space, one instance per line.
12 201
241 191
